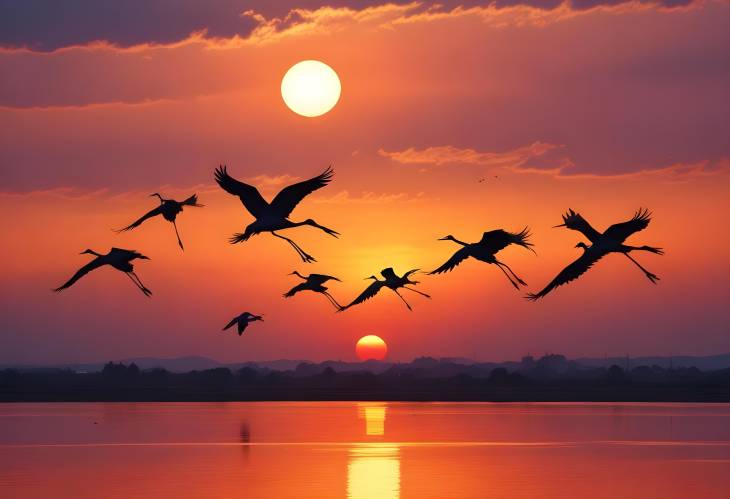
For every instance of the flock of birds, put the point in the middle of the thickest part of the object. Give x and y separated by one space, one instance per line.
274 216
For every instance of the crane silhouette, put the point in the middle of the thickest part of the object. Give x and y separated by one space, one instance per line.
274 216
610 241
243 321
169 209
120 259
314 282
485 250
392 281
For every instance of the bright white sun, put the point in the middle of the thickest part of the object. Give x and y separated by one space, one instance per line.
310 88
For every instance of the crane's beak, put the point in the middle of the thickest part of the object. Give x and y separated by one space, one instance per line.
556 226
443 239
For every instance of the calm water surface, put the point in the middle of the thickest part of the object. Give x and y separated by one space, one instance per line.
364 450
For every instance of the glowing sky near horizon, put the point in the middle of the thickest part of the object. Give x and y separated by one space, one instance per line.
600 108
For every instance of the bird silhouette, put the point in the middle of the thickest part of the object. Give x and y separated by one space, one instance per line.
120 259
610 241
169 209
485 250
314 282
392 281
243 321
274 216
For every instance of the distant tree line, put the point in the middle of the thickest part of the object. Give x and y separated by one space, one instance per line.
550 378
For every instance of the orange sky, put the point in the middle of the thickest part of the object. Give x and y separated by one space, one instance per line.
601 110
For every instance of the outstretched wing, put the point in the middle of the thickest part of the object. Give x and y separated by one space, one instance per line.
497 240
321 278
126 254
296 289
233 321
248 194
191 201
458 257
369 292
242 325
93 264
622 230
290 196
152 213
575 221
569 273
408 274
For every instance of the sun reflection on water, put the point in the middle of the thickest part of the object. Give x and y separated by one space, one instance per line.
374 416
373 470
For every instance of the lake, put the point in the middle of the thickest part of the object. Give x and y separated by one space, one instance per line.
364 450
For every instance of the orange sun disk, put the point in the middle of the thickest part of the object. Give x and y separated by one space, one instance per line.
371 347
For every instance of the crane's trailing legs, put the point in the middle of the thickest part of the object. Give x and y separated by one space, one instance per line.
327 230
178 235
650 249
416 291
404 300
517 286
657 251
652 277
138 283
512 272
307 258
332 300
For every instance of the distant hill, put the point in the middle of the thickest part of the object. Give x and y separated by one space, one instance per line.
173 364
704 363
552 377
433 366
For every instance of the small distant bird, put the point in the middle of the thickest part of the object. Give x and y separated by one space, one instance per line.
481 180
485 250
120 259
169 208
274 216
391 281
610 241
243 321
314 282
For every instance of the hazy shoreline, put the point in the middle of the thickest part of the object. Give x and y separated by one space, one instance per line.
551 378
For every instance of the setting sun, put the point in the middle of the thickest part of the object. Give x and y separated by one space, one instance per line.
310 88
371 347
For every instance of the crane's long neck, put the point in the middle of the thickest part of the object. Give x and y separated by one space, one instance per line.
296 273
458 242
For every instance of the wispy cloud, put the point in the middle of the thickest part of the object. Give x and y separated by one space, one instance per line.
542 158
344 197
441 155
230 24
81 194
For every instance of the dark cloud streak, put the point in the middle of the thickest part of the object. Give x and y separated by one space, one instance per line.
47 25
